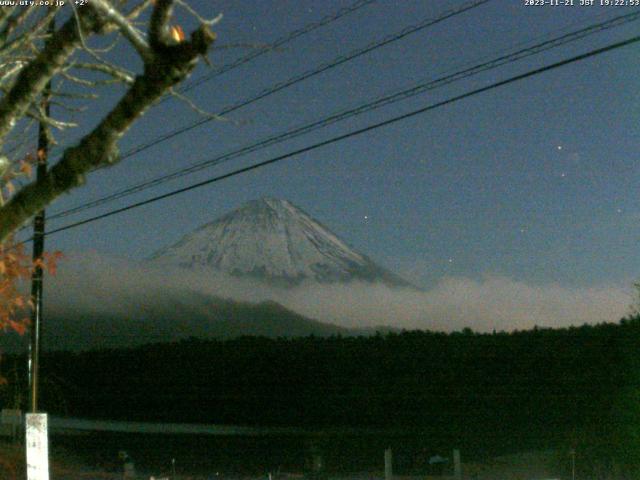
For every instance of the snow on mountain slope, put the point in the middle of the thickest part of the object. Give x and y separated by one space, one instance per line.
275 241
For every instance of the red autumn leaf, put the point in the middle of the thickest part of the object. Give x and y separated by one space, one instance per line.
16 265
19 327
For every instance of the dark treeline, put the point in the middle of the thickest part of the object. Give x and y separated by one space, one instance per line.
488 393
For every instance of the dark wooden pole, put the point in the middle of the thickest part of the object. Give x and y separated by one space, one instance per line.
38 249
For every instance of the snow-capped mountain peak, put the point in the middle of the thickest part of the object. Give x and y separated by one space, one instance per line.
273 240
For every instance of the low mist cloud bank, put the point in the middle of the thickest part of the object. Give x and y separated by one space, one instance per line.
94 284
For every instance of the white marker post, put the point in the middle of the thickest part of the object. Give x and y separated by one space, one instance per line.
388 464
37 446
457 465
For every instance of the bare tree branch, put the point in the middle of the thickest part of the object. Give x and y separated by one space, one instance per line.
58 124
14 21
74 95
5 14
138 9
159 24
117 73
68 108
31 35
168 65
34 77
208 22
191 104
126 28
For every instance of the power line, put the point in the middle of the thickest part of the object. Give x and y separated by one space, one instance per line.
320 69
354 133
377 103
278 43
428 22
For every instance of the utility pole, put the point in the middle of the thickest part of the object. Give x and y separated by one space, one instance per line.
36 276
38 250
36 424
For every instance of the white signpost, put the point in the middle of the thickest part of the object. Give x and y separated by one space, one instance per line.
457 465
37 446
388 464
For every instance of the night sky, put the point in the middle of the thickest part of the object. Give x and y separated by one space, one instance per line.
534 182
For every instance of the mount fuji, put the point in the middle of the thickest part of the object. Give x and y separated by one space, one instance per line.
276 242
268 241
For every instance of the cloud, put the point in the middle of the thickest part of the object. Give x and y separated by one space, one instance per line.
457 302
93 283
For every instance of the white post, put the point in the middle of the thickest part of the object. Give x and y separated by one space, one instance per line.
573 463
388 464
37 446
457 466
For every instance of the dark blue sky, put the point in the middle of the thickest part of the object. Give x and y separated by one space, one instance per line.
536 181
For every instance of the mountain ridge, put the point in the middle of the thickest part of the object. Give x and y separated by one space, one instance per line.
175 316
